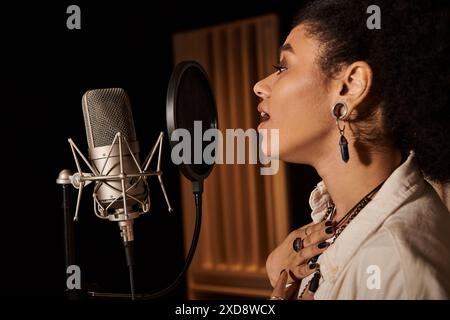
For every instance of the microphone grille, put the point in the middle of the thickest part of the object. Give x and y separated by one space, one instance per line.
106 112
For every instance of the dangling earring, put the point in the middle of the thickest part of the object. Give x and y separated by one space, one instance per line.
339 112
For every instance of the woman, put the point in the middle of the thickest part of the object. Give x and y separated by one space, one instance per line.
368 109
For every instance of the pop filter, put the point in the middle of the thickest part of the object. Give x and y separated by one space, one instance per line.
190 102
190 99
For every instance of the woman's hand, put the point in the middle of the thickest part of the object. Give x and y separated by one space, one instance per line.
281 292
311 242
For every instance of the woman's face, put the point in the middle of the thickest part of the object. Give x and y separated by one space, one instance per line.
297 101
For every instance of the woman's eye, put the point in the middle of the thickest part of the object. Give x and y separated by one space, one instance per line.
280 68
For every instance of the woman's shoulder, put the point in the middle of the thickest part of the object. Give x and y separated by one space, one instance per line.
422 218
414 244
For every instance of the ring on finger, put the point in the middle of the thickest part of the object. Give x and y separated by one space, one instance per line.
297 245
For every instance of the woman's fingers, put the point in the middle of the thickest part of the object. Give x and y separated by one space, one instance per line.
309 248
306 243
320 235
309 229
312 288
301 257
278 292
303 270
292 291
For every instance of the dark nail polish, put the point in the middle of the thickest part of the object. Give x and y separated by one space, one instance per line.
328 223
314 259
322 245
329 230
312 266
314 282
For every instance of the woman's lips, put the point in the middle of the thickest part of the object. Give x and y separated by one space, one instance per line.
264 116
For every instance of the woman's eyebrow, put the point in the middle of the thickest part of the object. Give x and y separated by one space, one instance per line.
286 47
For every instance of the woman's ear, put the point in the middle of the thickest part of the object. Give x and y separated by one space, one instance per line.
355 83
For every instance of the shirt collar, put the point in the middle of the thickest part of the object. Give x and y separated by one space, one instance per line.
399 186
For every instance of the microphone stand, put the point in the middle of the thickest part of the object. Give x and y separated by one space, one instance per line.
69 239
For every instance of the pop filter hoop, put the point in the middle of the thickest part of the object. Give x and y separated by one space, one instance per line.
190 98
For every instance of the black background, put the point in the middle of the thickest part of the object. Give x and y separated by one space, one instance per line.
46 68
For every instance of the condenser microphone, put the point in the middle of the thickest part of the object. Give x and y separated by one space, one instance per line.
121 192
107 112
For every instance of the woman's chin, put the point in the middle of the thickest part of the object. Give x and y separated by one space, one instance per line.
265 150
264 141
261 126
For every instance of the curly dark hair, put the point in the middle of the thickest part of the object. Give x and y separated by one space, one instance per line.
409 57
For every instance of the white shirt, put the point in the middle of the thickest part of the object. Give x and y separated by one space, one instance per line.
397 247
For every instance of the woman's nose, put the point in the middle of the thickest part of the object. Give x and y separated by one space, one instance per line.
262 89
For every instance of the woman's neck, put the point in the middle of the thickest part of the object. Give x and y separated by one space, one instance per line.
347 183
